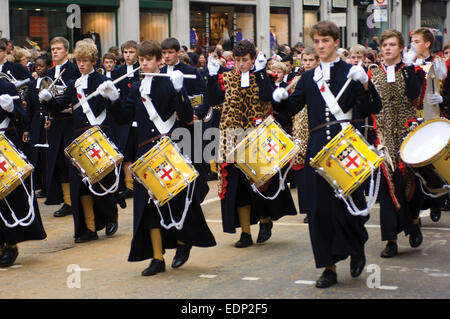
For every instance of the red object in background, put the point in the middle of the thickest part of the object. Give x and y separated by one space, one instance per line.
39 29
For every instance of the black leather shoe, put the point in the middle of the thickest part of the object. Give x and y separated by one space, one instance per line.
357 264
111 227
65 210
327 279
306 220
265 232
41 194
87 236
244 241
121 201
435 214
390 250
155 267
9 256
181 256
127 193
415 238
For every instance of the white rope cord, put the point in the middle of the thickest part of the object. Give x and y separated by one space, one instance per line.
110 190
31 213
431 194
282 179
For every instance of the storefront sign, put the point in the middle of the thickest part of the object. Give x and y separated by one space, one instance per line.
340 19
311 2
380 15
381 3
339 3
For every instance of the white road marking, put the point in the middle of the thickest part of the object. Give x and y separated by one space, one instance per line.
16 266
304 282
207 276
251 278
388 287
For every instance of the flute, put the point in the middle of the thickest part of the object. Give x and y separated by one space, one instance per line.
186 76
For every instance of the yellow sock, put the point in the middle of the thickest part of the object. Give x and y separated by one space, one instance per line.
155 234
393 240
129 183
180 243
244 218
213 166
332 268
66 193
264 220
416 221
87 203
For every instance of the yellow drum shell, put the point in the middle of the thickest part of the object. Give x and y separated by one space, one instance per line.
346 161
164 171
264 151
13 167
93 154
440 160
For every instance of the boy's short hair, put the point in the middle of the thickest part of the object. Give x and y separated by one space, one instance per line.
244 47
325 28
3 45
287 58
184 57
310 51
358 49
389 33
171 43
62 40
109 55
279 65
150 48
129 44
426 34
86 50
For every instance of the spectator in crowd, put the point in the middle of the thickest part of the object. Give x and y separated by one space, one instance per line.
357 54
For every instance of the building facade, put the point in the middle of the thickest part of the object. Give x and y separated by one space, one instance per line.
208 22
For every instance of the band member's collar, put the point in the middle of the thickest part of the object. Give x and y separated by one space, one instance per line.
325 66
83 80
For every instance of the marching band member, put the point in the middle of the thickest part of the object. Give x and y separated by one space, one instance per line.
168 99
11 111
423 40
36 133
246 102
399 84
109 64
335 233
60 132
91 212
126 134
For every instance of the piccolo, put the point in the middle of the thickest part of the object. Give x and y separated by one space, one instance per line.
96 92
186 76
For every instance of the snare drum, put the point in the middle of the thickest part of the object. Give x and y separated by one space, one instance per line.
93 154
346 161
164 171
14 167
426 150
264 152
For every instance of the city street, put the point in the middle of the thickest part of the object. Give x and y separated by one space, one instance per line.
282 268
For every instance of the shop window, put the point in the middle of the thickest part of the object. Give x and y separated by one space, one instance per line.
103 26
154 26
310 18
279 27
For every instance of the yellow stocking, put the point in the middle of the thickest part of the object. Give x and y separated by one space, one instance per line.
244 218
66 193
155 235
87 202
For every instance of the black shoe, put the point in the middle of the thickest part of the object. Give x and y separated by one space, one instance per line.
9 256
155 267
87 236
41 194
127 193
111 227
327 279
357 264
181 256
306 220
446 207
121 201
212 177
265 232
63 211
244 241
415 238
435 214
390 250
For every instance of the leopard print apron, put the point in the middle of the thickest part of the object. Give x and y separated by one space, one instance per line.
300 130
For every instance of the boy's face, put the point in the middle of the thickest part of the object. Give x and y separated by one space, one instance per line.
391 49
355 58
85 65
279 73
129 54
109 64
2 55
59 52
325 46
447 53
170 56
149 64
309 61
422 46
244 63
40 67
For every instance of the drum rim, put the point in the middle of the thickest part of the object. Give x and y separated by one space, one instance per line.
415 130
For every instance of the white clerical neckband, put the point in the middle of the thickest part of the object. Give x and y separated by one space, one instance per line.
325 66
146 84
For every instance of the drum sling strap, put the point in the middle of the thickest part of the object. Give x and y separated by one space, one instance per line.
344 119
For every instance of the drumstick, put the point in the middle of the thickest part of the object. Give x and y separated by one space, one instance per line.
186 76
95 93
16 97
345 86
294 82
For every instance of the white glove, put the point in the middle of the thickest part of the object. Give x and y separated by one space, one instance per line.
440 69
177 79
213 66
357 73
108 90
45 95
280 94
434 98
409 56
260 62
6 102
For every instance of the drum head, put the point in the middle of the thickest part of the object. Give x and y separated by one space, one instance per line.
426 142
